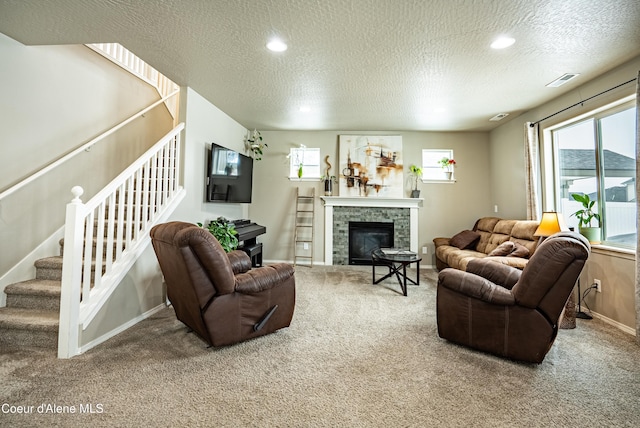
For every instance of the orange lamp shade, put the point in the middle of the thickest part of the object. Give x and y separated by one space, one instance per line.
551 222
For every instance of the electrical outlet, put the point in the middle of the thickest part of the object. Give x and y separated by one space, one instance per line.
424 250
305 245
495 208
598 285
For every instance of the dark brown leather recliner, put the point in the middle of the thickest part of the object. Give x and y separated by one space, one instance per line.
219 295
507 312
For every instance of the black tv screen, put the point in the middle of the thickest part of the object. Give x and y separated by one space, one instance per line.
230 176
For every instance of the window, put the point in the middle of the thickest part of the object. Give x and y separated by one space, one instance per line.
307 159
432 169
596 156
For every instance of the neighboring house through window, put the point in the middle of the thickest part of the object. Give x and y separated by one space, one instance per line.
595 155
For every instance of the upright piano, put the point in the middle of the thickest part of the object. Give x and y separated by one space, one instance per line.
247 239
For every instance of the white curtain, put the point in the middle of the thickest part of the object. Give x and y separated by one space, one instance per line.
638 207
531 169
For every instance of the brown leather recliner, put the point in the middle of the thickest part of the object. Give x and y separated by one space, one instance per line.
507 312
219 295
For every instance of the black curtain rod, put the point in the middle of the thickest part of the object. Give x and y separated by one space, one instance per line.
532 124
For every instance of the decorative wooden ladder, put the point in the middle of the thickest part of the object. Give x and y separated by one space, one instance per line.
304 221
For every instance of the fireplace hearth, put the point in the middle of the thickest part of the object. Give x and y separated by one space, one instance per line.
366 236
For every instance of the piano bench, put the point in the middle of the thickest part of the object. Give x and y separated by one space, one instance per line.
254 252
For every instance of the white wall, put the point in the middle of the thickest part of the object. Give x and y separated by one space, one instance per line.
205 124
140 293
54 99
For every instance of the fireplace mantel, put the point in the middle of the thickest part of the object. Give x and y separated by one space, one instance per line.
361 201
413 204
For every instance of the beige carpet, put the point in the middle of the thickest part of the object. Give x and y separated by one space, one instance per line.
356 355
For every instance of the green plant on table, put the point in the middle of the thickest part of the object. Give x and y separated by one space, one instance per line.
224 232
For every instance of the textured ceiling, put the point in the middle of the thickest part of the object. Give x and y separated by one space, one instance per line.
385 65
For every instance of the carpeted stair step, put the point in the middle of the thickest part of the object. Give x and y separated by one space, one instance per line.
51 268
140 194
134 208
94 244
105 229
28 328
34 294
105 232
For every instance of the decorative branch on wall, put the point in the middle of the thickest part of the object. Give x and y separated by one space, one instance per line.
371 165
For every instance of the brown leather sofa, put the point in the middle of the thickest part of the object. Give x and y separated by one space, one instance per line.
219 295
490 236
502 310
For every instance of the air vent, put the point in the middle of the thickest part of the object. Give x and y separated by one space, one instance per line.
562 80
498 117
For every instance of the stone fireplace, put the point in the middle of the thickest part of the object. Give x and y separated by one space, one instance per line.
340 211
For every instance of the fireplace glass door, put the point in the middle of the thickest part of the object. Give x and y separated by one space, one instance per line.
364 237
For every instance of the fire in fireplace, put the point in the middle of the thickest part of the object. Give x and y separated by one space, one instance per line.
366 236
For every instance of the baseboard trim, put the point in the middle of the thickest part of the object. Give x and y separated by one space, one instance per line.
123 327
269 262
614 323
317 263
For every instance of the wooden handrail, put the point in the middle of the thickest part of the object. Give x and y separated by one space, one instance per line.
80 149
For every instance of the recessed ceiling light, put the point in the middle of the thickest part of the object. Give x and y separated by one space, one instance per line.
277 45
502 42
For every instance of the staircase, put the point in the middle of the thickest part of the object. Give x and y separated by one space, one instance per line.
32 314
119 232
52 310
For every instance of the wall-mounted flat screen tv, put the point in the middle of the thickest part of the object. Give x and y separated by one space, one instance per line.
229 177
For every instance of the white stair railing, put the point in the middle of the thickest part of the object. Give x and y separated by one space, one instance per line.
105 236
130 62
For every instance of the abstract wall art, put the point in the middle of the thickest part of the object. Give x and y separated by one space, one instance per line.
371 166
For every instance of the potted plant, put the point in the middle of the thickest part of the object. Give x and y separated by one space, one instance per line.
415 173
254 145
224 232
585 216
447 164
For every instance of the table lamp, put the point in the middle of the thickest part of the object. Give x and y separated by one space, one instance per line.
551 222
